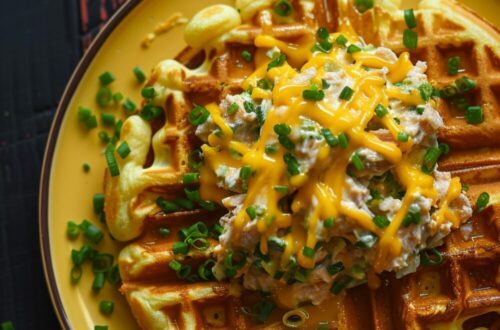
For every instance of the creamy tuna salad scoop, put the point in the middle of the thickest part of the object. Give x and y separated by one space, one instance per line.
327 165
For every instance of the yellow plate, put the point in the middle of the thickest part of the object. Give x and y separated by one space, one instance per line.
66 191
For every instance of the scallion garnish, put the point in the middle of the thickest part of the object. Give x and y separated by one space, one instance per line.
453 65
246 55
139 74
91 232
313 94
339 284
381 221
180 248
84 114
106 307
343 141
231 110
244 175
265 84
353 49
123 150
151 112
291 163
103 96
335 268
148 92
107 119
330 139
430 159
190 178
106 78
109 154
276 243
117 97
410 20
251 212
357 162
102 262
277 61
412 217
402 137
166 206
76 274
431 257
465 84
308 252
448 92
341 40
381 111
103 136
363 5
98 282
98 202
198 115
72 230
164 232
474 115
86 167
426 91
482 202
270 149
91 122
328 222
322 33
129 106
346 93
235 260
410 39
282 8
198 243
281 189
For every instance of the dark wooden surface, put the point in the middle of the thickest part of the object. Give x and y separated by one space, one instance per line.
41 42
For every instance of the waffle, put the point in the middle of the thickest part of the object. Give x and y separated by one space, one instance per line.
463 291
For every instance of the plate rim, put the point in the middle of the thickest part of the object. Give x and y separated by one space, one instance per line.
52 138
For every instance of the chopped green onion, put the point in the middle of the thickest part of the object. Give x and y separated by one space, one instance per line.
98 202
198 243
248 106
420 109
313 94
465 188
106 78
117 97
263 310
139 75
72 230
381 111
113 275
98 282
232 108
482 202
184 271
322 33
402 137
84 114
430 159
148 92
335 268
166 206
198 115
76 274
106 307
328 222
205 270
330 139
324 84
91 232
107 119
100 327
245 172
235 261
431 257
357 162
246 55
281 189
343 141
465 84
410 20
103 136
282 129
448 92
346 93
353 49
339 284
103 96
341 40
123 150
308 252
86 167
192 195
265 84
282 7
102 262
150 112
323 46
180 248
444 148
164 232
216 230
175 265
91 122
276 243
118 128
252 212
291 163
363 5
474 115
277 61
270 149
410 39
109 154
381 221
426 91
453 65
190 178
411 217
129 106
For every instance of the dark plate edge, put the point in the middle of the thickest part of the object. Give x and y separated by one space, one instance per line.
49 153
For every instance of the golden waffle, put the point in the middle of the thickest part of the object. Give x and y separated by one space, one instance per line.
464 289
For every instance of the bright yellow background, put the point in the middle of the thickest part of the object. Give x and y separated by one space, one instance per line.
71 190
